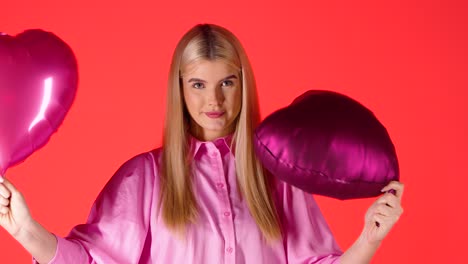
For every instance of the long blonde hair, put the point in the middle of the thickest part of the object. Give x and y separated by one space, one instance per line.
178 203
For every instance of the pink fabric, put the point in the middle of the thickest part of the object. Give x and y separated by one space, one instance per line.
125 225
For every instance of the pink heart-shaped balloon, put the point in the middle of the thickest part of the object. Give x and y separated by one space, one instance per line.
329 144
38 81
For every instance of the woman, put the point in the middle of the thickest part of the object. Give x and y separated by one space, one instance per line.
203 197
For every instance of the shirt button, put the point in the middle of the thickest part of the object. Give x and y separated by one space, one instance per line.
229 250
227 213
220 185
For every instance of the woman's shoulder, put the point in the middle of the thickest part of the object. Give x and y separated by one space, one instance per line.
142 165
151 157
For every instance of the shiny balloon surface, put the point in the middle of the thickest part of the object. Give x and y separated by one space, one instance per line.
38 82
329 144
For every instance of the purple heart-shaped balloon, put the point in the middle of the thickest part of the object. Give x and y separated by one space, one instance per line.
329 144
38 81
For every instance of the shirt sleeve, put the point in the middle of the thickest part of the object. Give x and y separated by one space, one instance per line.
307 237
118 224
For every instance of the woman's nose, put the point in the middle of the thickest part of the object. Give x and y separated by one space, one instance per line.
215 96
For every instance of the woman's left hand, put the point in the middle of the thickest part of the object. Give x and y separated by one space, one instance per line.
383 213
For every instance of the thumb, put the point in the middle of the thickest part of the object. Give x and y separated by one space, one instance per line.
8 184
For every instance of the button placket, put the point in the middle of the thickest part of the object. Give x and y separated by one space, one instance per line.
225 212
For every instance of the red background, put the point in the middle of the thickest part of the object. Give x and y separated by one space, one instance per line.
405 61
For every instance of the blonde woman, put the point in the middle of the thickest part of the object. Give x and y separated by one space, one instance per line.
203 197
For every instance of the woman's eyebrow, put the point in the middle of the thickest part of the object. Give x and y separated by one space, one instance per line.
196 80
232 76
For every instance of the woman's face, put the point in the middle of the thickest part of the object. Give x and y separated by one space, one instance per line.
212 95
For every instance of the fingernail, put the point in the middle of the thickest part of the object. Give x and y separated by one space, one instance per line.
1 179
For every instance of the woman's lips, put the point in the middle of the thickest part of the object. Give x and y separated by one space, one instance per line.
214 114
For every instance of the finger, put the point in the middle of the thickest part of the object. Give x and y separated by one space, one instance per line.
389 200
387 211
384 221
393 202
4 192
9 185
398 187
389 220
384 210
378 219
4 201
4 210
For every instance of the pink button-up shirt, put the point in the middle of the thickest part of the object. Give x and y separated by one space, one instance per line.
126 226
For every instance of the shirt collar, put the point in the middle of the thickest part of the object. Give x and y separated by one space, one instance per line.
220 143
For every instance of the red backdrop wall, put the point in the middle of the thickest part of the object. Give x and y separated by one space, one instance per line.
406 61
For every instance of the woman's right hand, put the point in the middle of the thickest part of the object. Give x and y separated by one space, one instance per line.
14 212
17 220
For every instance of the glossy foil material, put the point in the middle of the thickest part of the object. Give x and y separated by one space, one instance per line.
38 81
329 144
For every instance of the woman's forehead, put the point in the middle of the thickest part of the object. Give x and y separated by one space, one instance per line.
209 69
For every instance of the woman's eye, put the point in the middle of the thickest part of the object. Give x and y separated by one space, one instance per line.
197 85
227 83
